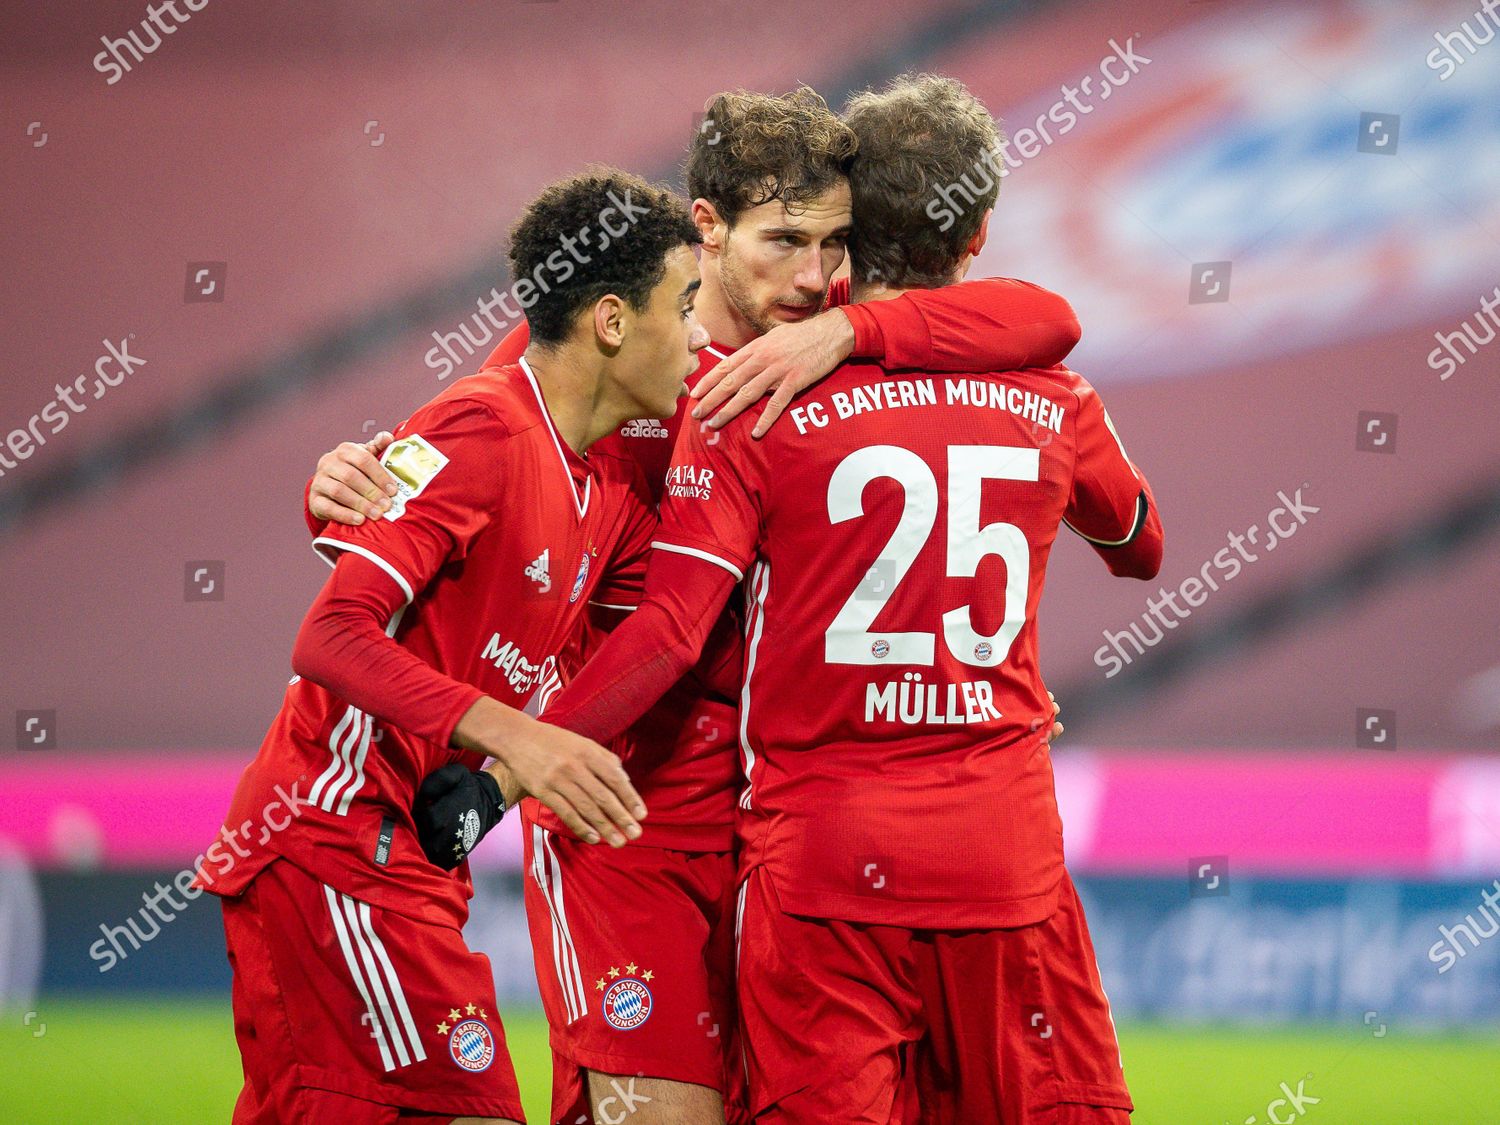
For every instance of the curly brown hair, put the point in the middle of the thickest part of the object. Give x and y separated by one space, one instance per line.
755 148
561 280
922 140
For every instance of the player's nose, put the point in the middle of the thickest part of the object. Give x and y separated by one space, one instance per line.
810 278
697 338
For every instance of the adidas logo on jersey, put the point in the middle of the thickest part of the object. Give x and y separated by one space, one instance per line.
644 427
538 571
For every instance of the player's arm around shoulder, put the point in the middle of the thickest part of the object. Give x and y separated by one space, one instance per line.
352 483
990 324
783 363
987 324
450 472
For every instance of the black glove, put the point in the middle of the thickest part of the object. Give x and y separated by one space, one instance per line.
455 808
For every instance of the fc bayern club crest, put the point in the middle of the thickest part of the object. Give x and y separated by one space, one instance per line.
472 1046
583 576
627 1004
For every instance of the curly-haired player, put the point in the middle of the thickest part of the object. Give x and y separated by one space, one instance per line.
355 997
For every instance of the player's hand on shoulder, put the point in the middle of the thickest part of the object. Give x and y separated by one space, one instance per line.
782 363
1057 727
350 485
455 808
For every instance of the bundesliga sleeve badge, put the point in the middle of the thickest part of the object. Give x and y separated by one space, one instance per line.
413 461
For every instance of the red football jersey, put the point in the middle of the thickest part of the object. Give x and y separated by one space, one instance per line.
499 538
683 755
894 534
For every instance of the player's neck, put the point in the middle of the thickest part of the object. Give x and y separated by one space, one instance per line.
576 394
716 312
861 292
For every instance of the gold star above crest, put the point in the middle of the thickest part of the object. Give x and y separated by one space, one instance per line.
455 1014
483 1014
471 1009
599 984
613 972
631 969
647 975
443 1028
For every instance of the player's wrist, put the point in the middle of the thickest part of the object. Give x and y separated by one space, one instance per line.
504 778
839 333
489 727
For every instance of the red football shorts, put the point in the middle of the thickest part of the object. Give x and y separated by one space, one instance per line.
890 1026
635 958
345 1012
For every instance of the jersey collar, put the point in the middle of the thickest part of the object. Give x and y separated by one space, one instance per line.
573 465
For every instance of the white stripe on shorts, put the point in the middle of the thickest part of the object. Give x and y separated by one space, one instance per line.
548 875
375 978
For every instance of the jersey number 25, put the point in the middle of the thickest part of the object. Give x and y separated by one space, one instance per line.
849 640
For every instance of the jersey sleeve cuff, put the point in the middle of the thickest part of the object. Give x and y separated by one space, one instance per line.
464 697
1142 510
700 553
869 341
328 550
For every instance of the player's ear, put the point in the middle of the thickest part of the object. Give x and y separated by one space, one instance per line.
609 321
711 225
976 244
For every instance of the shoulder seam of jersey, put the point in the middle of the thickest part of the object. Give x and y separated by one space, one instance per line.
475 399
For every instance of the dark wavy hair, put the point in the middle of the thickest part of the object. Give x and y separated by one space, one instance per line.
755 148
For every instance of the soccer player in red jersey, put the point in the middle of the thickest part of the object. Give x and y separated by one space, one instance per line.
355 997
772 203
911 946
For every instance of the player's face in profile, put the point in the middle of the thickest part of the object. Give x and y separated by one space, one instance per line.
665 339
776 263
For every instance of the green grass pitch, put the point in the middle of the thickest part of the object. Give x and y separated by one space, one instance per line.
175 1061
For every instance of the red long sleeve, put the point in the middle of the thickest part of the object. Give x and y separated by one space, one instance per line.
1111 505
994 324
343 646
650 652
1141 557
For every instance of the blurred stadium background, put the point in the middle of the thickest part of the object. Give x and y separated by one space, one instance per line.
1279 223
